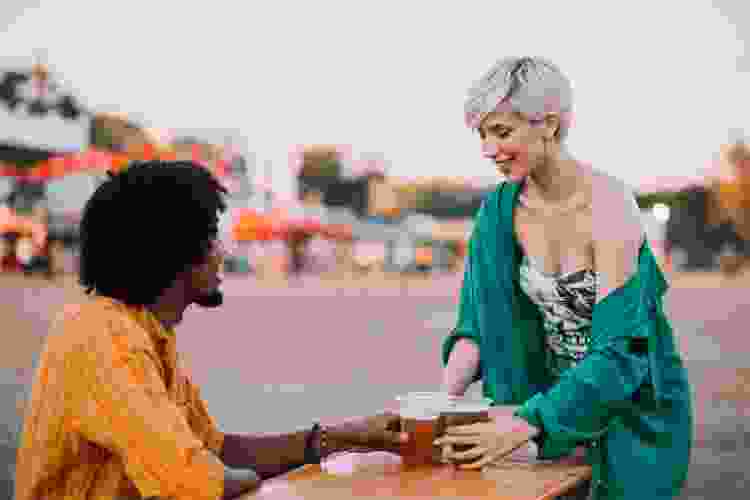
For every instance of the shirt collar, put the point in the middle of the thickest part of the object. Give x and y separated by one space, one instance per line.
143 316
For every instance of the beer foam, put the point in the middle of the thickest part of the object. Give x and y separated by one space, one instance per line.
468 408
419 413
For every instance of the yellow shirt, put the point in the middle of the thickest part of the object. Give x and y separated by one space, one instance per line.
112 414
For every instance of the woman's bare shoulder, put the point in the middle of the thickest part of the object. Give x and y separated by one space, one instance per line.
614 205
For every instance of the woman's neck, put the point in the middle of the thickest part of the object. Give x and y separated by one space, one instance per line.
555 181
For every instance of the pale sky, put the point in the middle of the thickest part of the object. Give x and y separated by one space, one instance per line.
658 84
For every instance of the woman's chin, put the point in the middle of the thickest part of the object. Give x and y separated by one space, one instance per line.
515 177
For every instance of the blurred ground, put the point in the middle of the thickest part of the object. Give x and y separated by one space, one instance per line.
275 357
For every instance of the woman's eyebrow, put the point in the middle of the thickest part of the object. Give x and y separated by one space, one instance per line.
496 125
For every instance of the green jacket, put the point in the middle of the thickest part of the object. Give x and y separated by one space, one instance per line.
628 400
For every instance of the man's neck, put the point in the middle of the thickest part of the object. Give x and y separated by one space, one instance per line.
169 315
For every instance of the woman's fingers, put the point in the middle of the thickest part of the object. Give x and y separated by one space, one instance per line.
487 459
478 464
447 451
463 430
475 452
456 440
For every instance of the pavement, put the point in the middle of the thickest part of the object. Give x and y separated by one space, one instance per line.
279 355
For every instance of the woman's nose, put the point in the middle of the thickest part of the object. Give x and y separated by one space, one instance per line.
489 149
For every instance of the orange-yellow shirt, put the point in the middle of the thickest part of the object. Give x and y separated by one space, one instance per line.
112 414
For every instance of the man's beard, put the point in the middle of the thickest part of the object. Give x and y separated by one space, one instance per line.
211 299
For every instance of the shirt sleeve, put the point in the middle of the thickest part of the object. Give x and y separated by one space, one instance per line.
201 421
467 325
122 405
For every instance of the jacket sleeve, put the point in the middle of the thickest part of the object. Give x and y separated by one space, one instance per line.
467 325
580 406
121 404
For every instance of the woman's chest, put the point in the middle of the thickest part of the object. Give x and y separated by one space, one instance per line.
557 244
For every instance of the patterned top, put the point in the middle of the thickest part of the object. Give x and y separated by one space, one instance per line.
113 414
566 302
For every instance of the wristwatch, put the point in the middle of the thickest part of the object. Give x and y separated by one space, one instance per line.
313 455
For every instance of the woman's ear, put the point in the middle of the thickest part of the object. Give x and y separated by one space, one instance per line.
551 126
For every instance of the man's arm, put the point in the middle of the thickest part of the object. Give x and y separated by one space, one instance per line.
272 455
239 481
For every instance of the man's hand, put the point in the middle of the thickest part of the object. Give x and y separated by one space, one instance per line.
380 432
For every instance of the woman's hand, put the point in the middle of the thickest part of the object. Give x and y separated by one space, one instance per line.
489 441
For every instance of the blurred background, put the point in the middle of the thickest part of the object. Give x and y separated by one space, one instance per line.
337 129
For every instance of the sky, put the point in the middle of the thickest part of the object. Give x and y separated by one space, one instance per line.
658 85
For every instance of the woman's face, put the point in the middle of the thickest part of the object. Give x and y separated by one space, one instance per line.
512 143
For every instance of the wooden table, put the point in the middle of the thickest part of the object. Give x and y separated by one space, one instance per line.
381 475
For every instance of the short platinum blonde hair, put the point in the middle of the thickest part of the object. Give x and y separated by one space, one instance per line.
529 86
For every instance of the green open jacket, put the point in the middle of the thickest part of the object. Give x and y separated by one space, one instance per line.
628 400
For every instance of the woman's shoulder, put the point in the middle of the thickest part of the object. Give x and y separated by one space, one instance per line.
613 205
611 191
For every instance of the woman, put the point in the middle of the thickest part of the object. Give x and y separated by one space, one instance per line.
561 304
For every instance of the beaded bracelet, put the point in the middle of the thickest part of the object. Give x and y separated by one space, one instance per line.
313 456
323 443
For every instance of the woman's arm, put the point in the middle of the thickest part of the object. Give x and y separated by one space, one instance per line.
462 367
461 357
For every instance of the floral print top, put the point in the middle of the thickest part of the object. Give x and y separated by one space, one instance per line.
566 302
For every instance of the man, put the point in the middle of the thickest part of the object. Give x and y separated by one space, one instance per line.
112 414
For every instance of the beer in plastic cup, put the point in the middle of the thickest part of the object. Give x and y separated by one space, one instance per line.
464 411
420 418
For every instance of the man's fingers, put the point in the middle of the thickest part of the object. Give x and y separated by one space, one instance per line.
398 437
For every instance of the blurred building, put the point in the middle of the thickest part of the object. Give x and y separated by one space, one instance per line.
38 113
711 222
116 133
39 119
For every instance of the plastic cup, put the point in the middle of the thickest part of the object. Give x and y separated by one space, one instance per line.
464 411
420 418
